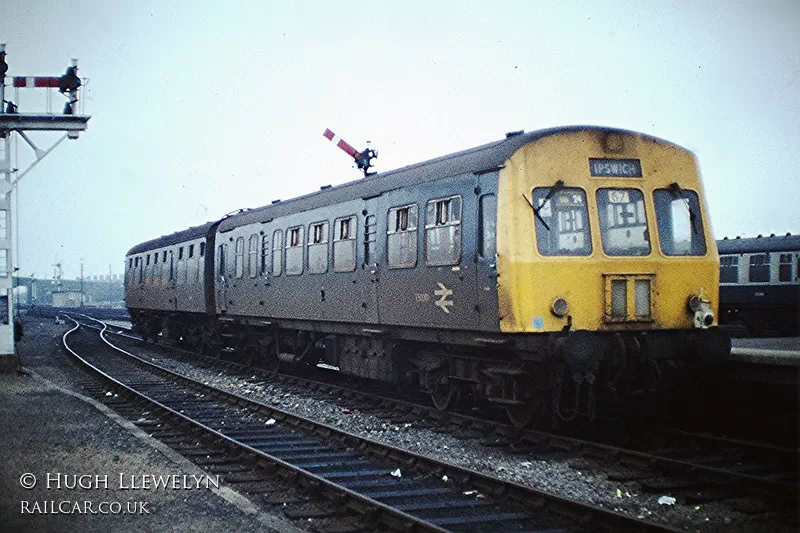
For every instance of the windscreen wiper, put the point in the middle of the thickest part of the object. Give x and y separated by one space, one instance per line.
677 192
558 185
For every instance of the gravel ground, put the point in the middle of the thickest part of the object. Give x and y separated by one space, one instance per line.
575 479
48 430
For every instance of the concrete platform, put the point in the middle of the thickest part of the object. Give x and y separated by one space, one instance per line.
781 351
55 435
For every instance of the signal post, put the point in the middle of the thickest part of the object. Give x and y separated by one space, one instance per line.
15 119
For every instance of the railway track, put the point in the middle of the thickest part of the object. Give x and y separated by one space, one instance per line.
697 467
341 481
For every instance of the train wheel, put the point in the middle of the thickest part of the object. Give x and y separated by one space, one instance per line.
444 394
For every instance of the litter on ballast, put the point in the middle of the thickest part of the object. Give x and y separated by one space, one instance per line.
666 500
397 473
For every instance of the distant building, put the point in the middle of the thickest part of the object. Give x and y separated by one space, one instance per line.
66 299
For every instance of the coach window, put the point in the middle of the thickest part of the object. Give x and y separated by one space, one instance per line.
318 248
171 266
759 268
164 257
202 249
487 247
264 254
401 240
191 270
277 250
222 252
238 258
785 268
252 256
729 269
191 251
180 253
370 238
443 231
294 251
680 227
623 222
562 222
344 244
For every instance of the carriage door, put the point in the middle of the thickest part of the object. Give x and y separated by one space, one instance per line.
172 293
221 278
486 252
368 269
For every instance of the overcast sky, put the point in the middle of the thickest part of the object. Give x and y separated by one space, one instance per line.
199 109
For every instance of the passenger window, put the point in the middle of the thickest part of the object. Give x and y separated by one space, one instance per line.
191 270
155 258
318 248
759 268
785 268
277 251
487 247
252 256
147 259
680 227
264 255
401 240
238 258
191 251
344 244
183 271
623 222
202 249
370 238
562 221
164 257
222 252
180 253
729 269
443 231
294 251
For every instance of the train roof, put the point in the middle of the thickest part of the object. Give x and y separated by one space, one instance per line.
749 245
174 238
477 160
480 159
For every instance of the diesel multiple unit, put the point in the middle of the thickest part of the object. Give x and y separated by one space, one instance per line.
543 273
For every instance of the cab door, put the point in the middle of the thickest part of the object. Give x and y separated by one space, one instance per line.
486 252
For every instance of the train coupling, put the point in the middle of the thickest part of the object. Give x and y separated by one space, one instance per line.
703 315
